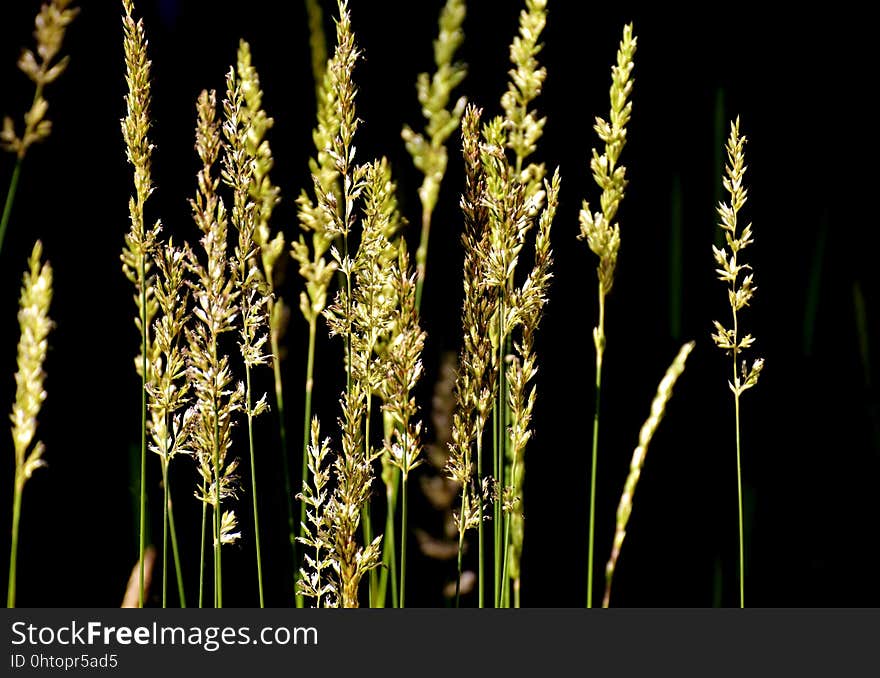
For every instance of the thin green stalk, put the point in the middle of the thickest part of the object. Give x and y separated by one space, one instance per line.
13 554
165 535
143 482
505 590
366 522
600 350
254 484
403 535
218 518
460 547
742 595
307 418
500 436
215 527
202 547
178 570
389 549
422 255
389 543
10 198
481 574
285 462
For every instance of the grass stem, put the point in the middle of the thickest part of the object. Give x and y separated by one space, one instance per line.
250 414
13 554
202 547
10 198
175 552
600 351
307 418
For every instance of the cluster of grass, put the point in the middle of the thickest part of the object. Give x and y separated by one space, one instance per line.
210 317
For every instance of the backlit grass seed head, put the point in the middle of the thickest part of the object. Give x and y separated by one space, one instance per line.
167 388
366 316
404 368
140 241
599 228
262 191
325 216
215 296
238 174
739 289
527 310
314 582
658 409
34 323
526 81
353 469
42 68
476 378
428 150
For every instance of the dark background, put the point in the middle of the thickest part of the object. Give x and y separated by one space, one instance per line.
811 429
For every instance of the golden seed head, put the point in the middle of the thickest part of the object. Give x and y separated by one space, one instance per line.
599 228
50 26
34 323
739 289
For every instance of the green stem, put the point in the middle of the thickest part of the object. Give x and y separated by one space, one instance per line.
403 540
389 543
422 255
742 598
366 521
202 547
464 509
600 351
307 422
13 554
481 575
178 570
285 462
505 585
10 198
389 548
742 595
218 518
254 484
165 534
143 482
500 446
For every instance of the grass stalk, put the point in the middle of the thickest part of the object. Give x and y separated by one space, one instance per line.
389 549
403 531
175 551
13 553
591 539
739 494
602 232
285 461
10 199
142 502
481 564
250 413
166 499
421 254
739 293
307 418
202 546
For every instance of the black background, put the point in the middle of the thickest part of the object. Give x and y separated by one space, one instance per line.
811 432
